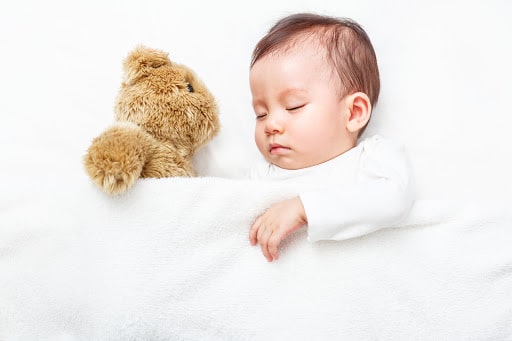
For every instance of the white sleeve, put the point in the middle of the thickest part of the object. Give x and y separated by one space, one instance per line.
381 197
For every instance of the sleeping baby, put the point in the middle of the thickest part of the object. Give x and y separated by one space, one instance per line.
314 80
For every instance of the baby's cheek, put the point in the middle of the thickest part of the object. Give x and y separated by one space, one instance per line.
259 139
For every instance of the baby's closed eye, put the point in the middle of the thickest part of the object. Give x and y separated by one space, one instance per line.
295 107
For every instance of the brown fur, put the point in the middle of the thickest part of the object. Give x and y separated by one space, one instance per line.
159 126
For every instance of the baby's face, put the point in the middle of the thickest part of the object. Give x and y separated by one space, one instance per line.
300 119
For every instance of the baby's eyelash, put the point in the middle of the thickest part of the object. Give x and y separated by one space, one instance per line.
259 117
296 107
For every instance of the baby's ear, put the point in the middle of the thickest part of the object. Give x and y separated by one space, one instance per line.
360 109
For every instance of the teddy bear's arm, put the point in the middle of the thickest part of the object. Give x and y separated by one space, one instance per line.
116 158
165 161
125 152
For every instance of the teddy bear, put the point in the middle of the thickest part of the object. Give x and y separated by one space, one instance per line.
163 114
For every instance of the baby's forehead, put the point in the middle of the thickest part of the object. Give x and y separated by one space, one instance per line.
300 46
307 44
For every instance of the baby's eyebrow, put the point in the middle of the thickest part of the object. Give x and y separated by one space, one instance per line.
257 102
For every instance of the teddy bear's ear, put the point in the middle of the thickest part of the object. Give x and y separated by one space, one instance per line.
141 61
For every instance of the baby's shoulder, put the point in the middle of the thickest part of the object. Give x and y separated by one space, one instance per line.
377 143
380 148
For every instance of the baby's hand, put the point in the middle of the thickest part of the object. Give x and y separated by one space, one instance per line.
273 226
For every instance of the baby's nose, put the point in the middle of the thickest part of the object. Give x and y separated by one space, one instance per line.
273 125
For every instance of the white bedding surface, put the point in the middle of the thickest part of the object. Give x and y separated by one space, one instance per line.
171 259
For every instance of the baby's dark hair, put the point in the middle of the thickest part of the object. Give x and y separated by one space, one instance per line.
348 48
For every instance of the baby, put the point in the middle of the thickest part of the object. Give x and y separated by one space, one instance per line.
314 80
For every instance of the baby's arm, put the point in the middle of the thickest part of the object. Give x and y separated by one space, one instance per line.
381 197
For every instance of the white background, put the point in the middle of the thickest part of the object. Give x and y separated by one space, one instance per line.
445 68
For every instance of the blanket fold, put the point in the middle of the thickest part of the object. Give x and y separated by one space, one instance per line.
171 260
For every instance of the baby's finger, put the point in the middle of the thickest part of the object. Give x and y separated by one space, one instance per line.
273 245
261 230
253 232
263 240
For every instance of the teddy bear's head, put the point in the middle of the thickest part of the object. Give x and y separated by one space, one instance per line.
167 100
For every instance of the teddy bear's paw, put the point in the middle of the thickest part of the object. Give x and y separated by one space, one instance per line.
114 172
112 176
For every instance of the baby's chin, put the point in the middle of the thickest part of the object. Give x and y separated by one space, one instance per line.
291 164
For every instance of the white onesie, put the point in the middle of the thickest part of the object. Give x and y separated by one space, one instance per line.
362 190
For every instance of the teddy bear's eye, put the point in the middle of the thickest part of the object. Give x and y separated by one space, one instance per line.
190 88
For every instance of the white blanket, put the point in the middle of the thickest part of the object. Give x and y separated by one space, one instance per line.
171 260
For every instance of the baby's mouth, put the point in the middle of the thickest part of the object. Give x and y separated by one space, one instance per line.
276 148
